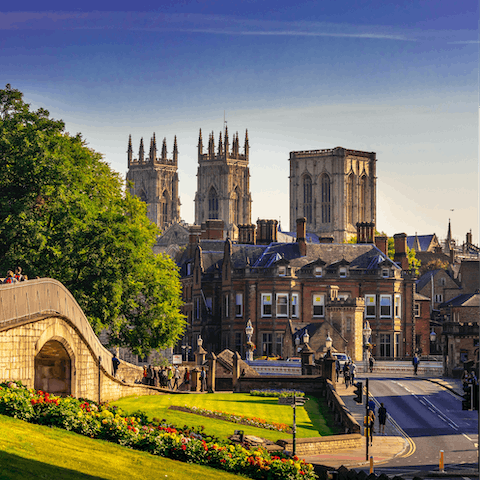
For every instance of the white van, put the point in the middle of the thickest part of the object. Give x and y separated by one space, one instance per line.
341 357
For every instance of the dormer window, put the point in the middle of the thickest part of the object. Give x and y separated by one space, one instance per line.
318 272
385 273
282 271
189 268
342 272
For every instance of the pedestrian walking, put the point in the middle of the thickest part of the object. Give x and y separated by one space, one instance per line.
170 377
345 372
150 376
115 364
353 368
176 377
371 362
186 379
145 375
370 425
382 418
203 380
337 368
415 362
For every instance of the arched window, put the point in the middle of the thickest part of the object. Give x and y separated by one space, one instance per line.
362 198
326 202
350 196
164 209
307 198
143 196
213 204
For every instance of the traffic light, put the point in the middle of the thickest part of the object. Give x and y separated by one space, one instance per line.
467 397
358 392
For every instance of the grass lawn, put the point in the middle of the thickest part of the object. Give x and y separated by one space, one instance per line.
311 419
34 451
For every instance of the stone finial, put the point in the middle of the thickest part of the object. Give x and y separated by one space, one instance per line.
141 152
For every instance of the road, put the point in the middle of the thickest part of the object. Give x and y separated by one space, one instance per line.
433 420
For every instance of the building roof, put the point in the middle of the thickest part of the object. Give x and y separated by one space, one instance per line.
418 296
463 300
424 242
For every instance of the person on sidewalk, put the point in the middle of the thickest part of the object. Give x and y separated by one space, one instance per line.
176 377
370 425
415 362
371 362
337 368
382 418
353 367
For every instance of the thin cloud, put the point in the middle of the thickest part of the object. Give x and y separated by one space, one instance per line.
206 24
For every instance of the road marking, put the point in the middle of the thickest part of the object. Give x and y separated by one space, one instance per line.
467 437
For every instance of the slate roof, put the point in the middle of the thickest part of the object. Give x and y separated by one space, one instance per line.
425 278
463 300
423 240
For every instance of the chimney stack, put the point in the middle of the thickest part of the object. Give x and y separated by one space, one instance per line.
381 243
266 231
212 230
400 257
247 234
301 235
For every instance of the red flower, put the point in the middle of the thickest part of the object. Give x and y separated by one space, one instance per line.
33 401
223 460
184 447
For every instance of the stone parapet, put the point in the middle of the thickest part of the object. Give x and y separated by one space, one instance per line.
319 445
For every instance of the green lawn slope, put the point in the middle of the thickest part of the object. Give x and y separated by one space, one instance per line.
36 452
313 419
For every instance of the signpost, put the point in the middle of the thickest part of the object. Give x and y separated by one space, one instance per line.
294 402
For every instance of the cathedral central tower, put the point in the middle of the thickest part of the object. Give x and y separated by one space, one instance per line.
223 182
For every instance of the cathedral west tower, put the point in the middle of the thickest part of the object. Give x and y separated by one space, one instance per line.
223 182
155 181
333 189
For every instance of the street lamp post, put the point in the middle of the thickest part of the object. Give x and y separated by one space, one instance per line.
367 332
250 346
433 337
186 349
328 344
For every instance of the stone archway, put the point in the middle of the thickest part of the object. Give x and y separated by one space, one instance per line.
53 369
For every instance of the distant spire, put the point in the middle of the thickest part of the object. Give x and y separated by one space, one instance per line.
175 150
200 143
220 144
416 244
129 150
141 152
449 235
164 149
211 146
227 144
247 146
153 149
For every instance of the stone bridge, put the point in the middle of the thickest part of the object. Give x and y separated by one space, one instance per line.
47 342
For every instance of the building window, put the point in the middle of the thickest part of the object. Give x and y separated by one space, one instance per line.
208 304
307 198
385 345
349 324
362 198
196 307
282 271
326 204
370 306
294 306
463 356
238 342
385 273
385 306
266 304
239 305
342 272
416 308
212 204
189 268
279 344
318 272
282 305
442 282
398 306
267 344
318 305
225 340
226 305
236 207
397 345
350 202
164 209
438 298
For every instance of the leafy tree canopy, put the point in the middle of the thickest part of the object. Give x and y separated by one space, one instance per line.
64 214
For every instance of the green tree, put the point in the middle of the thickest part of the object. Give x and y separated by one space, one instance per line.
64 214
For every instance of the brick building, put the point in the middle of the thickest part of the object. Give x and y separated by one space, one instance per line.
277 285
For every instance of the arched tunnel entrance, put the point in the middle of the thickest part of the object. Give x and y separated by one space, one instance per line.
53 369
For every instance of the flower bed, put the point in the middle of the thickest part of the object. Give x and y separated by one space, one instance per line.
276 393
110 423
229 417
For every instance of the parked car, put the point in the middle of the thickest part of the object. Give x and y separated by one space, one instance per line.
341 357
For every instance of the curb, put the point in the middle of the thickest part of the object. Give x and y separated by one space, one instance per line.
444 385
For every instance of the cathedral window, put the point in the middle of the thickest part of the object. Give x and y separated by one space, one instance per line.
362 199
212 204
307 198
350 201
326 202
164 210
236 207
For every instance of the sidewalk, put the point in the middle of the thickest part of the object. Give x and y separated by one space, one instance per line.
384 447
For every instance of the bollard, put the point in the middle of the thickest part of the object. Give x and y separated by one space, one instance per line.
441 465
371 464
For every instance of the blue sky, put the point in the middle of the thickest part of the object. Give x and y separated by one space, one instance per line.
399 79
